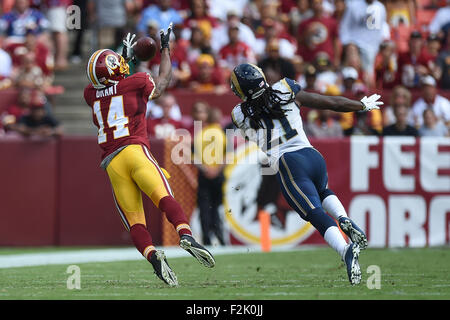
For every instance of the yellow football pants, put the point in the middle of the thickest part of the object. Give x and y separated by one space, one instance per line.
131 171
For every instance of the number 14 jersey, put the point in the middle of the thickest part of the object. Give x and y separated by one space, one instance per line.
277 136
118 111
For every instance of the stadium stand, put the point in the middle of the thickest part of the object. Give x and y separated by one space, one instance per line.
199 58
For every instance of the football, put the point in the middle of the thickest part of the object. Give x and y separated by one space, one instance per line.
145 48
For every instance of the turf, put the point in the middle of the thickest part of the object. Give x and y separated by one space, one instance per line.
303 274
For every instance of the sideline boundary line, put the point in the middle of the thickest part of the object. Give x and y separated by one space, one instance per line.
114 254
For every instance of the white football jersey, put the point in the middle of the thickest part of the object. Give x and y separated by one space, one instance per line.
278 136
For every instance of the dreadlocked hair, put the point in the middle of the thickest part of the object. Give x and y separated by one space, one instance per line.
267 105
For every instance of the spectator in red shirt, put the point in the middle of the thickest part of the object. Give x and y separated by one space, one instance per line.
164 127
30 75
206 76
199 43
14 112
386 68
431 53
38 122
319 34
272 30
43 57
235 52
199 15
351 57
412 65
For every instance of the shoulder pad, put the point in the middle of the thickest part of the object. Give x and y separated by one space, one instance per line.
237 116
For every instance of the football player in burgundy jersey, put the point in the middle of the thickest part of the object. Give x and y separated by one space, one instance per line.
118 105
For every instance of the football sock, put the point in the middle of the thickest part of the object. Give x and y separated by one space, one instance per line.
175 215
328 229
334 207
142 240
335 239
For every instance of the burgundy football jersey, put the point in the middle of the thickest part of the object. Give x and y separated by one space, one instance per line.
118 111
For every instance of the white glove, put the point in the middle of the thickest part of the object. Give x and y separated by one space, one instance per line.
371 102
128 44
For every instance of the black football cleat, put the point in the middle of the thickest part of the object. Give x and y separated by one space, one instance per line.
199 252
162 268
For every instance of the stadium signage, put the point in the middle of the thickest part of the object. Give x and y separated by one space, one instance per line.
400 190
243 179
396 188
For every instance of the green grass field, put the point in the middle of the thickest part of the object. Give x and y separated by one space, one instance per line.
303 274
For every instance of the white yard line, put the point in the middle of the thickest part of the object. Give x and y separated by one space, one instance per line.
105 255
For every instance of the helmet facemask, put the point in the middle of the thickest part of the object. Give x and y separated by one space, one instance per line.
124 68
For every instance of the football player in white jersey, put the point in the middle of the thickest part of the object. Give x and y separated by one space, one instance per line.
270 116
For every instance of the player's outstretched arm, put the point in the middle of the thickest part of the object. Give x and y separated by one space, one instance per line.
338 103
165 67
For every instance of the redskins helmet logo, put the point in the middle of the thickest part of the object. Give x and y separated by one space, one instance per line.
112 63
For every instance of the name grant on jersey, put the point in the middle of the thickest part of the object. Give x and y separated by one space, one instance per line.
106 92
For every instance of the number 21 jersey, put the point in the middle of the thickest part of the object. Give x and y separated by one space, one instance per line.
119 111
277 136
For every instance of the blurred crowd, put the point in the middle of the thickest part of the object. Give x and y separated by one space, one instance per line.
349 48
334 47
33 45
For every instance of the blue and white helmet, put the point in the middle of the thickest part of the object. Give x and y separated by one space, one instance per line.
248 81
